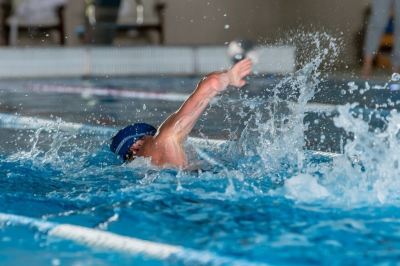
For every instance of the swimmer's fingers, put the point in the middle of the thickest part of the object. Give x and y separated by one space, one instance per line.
246 67
239 71
245 72
245 63
242 83
249 66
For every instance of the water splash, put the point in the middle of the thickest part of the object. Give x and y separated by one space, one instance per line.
274 128
268 155
368 171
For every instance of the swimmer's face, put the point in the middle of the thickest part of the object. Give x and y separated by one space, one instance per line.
134 149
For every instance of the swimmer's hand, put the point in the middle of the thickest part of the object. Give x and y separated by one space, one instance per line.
217 82
239 71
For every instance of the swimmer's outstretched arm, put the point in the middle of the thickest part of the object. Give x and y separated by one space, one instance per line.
181 123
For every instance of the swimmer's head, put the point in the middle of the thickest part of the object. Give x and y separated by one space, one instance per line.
124 139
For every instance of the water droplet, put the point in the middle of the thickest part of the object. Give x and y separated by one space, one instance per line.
55 262
395 77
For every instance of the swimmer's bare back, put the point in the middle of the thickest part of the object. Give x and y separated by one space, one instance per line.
166 148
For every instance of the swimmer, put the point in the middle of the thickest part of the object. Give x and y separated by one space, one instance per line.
164 146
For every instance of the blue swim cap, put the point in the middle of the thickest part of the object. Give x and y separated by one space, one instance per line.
126 137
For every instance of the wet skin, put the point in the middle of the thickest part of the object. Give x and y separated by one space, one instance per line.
165 148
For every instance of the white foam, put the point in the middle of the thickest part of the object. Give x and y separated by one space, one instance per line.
304 188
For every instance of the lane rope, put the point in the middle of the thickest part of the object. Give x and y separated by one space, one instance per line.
128 245
26 122
125 93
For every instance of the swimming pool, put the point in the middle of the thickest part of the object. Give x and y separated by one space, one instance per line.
260 198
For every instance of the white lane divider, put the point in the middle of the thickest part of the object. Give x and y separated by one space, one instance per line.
126 93
27 122
109 241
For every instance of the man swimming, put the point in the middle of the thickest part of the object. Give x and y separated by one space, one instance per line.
164 146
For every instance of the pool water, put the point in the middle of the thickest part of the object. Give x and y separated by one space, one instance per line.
238 209
264 197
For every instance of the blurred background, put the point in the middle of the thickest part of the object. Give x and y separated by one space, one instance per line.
73 23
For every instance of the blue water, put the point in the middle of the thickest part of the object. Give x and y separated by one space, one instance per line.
264 197
234 210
